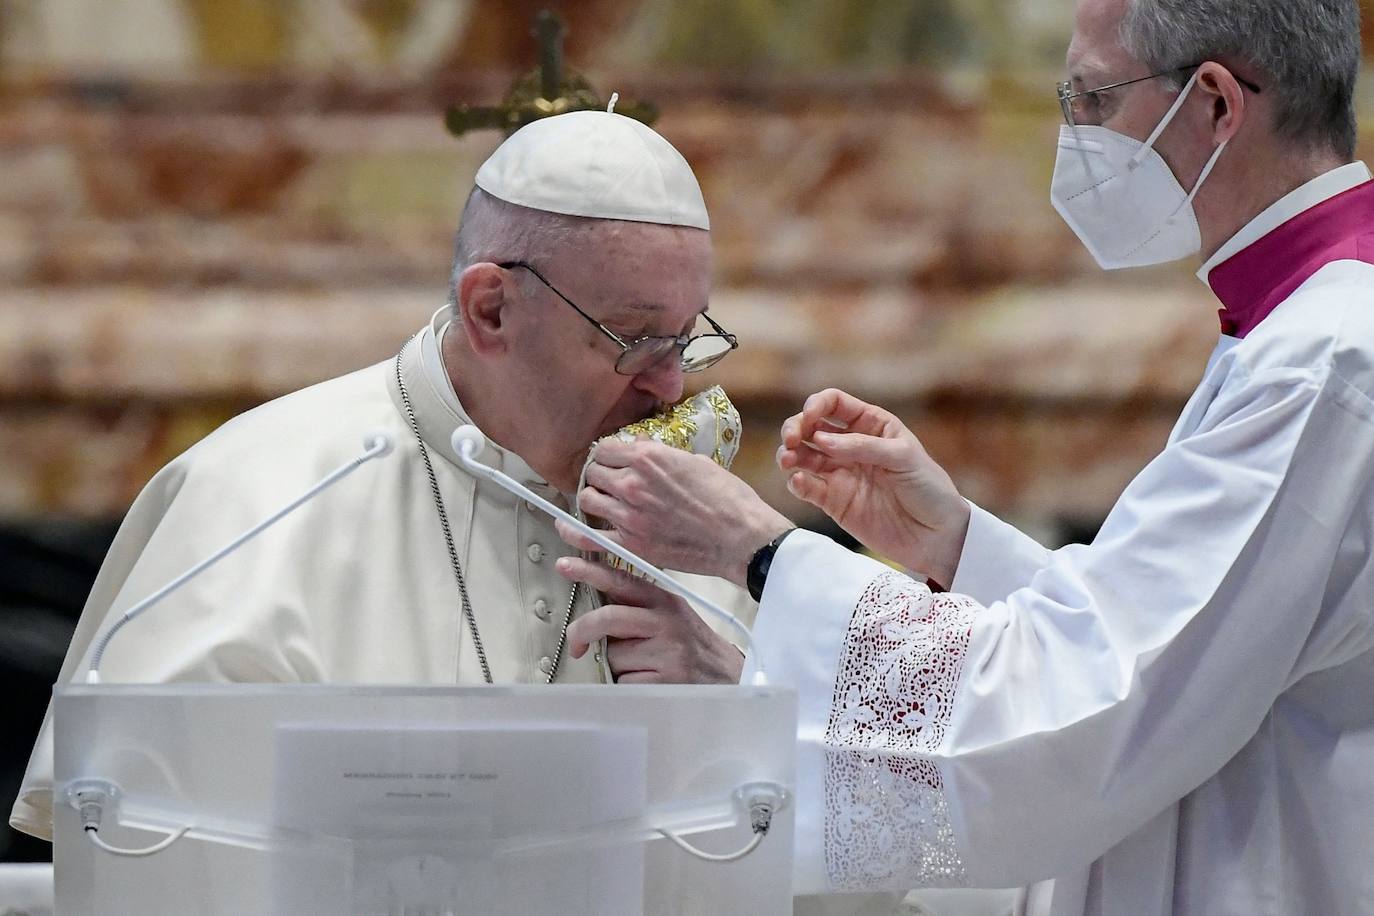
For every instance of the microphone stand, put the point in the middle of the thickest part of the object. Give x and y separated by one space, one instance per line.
377 445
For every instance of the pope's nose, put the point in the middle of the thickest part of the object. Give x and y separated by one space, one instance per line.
663 380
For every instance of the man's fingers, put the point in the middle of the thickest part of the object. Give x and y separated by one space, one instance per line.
576 539
616 453
594 502
598 575
803 459
614 584
613 621
607 479
796 436
856 448
809 488
836 409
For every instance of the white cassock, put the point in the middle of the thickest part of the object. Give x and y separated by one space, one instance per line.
355 586
1176 719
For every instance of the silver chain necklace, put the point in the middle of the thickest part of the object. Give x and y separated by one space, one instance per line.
453 551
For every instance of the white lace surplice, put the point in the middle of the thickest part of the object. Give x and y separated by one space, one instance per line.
894 691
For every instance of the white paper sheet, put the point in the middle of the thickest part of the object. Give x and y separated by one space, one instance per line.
407 818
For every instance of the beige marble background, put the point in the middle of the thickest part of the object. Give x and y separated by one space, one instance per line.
207 203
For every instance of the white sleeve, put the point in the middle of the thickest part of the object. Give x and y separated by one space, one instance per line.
997 559
838 627
257 633
942 743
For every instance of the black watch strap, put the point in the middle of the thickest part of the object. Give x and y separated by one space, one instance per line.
757 574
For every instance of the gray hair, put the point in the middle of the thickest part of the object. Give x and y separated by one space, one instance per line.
497 231
1306 53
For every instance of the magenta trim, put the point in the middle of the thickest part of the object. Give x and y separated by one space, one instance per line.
1253 282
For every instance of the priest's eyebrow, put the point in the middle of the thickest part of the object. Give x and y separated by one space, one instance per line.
1087 73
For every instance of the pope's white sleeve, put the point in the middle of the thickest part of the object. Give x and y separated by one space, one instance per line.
943 743
226 626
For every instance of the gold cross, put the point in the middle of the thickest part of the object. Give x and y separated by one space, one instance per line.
548 90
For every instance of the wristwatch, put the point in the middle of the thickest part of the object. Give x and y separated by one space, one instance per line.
756 576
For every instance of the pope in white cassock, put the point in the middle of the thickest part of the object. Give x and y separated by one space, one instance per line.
579 295
1179 717
410 571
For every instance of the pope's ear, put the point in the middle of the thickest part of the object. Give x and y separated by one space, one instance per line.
482 299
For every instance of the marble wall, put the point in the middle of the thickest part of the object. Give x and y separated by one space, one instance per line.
206 203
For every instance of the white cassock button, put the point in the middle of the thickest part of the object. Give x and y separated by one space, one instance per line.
541 609
535 553
546 664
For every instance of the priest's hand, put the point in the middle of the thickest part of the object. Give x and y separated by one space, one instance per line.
861 466
675 509
652 637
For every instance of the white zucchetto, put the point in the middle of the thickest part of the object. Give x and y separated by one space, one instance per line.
595 164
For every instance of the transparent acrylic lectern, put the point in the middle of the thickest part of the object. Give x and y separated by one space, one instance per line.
424 801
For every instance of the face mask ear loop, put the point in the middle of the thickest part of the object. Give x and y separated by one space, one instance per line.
1149 144
1206 170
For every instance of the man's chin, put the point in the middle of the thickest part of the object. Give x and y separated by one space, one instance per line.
614 426
609 428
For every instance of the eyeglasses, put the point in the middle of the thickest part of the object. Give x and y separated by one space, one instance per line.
696 351
1091 105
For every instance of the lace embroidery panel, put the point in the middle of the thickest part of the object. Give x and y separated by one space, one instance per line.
887 820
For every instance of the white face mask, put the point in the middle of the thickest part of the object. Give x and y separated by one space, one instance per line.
1120 198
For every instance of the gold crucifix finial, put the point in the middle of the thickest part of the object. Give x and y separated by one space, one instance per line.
548 28
548 90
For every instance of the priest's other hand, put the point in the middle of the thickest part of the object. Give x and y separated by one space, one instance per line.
652 637
675 509
862 467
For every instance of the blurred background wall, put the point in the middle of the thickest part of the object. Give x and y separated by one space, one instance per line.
208 203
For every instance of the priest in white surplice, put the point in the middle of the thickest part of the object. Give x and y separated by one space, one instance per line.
1179 717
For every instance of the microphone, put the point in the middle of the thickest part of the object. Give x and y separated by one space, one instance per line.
377 445
468 442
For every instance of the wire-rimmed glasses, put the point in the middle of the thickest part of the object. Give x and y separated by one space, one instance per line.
695 351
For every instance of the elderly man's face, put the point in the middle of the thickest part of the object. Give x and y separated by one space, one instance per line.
636 279
1098 58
